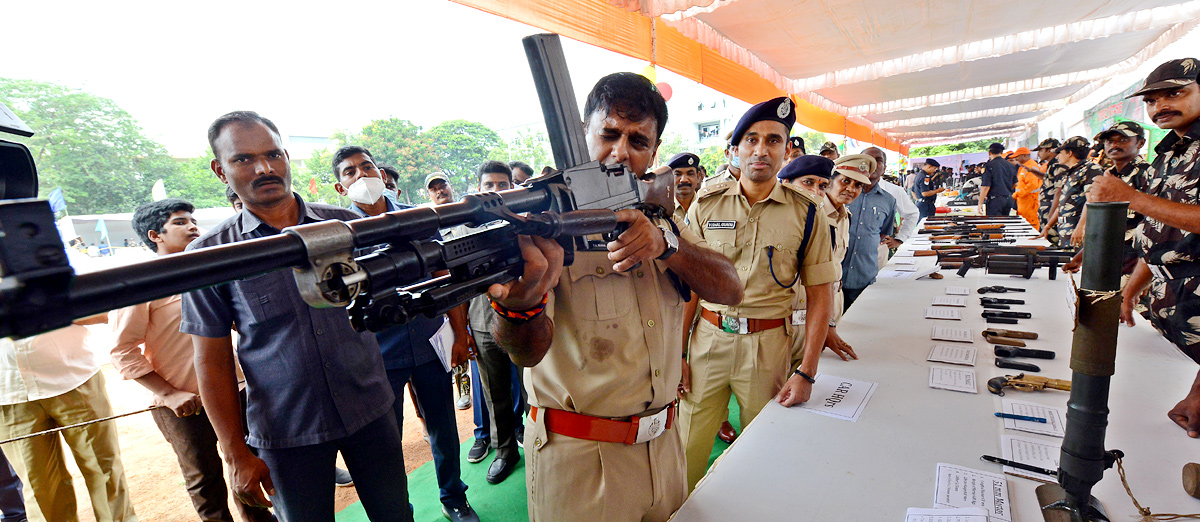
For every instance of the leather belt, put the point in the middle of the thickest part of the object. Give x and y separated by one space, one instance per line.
600 429
726 323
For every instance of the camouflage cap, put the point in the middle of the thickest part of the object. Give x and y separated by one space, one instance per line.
1049 143
1128 129
1074 142
1170 75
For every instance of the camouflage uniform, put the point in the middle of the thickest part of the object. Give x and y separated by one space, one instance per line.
1055 174
1173 254
1074 196
1137 175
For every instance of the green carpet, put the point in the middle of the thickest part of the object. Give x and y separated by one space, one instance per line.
504 502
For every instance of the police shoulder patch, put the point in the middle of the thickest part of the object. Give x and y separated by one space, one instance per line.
715 188
803 193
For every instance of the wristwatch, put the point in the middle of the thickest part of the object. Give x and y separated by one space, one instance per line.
672 243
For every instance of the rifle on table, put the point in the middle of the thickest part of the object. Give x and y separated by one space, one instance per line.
1010 260
1026 383
39 290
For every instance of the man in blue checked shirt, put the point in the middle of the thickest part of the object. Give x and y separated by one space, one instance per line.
872 219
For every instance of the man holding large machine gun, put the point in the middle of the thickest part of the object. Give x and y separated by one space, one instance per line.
601 338
1168 240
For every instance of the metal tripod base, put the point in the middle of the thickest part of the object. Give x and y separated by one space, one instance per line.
1055 508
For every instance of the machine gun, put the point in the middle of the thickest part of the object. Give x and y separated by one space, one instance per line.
40 292
1011 260
1025 383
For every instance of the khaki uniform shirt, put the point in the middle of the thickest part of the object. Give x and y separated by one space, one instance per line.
617 347
721 177
839 228
725 222
680 214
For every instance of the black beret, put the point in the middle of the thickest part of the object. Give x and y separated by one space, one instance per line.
932 162
797 142
807 165
684 159
779 109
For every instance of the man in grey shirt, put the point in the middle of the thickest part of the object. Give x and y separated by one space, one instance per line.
314 386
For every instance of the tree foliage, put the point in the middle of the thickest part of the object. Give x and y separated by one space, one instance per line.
460 146
88 146
532 147
965 147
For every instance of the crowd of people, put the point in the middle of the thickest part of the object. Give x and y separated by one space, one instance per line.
615 373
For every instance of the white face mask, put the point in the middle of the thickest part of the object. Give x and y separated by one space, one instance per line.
366 190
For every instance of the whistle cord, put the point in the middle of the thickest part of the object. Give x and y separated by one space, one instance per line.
1147 516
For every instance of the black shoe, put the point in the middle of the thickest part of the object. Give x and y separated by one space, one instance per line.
460 514
501 469
520 438
342 478
479 451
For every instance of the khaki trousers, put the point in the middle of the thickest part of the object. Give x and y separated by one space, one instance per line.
751 367
800 334
574 479
40 463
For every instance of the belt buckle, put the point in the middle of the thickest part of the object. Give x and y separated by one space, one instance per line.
734 325
650 427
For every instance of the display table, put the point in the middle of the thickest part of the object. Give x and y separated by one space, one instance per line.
797 466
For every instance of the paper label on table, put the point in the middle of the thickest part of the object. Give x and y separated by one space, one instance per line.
904 253
941 312
904 261
958 290
894 274
964 355
959 487
946 515
839 397
949 333
1034 452
907 267
953 379
926 271
1055 417
443 341
949 300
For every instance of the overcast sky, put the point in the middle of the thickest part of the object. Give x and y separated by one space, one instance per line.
313 67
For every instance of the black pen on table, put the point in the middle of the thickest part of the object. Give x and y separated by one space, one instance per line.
1018 465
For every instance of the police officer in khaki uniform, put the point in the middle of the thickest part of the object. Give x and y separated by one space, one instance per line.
847 180
776 236
600 339
685 167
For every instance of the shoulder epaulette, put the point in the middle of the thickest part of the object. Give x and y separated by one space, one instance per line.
715 188
808 196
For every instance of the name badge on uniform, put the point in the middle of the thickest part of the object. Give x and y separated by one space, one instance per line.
798 317
720 225
649 428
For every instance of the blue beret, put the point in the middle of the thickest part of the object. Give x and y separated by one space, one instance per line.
780 109
684 160
807 165
932 163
